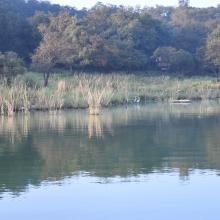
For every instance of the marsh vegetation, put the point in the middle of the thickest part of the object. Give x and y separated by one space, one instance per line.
94 91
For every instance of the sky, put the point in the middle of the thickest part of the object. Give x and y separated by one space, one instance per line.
89 3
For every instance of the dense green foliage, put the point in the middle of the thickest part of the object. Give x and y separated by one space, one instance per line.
10 65
17 33
171 59
106 38
213 47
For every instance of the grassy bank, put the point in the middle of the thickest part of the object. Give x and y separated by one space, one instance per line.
84 90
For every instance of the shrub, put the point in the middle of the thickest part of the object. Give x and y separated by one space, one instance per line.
10 65
171 59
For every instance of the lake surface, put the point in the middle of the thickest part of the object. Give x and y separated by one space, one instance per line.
156 161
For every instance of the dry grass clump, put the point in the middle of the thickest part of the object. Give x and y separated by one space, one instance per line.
215 85
14 98
48 100
97 91
61 86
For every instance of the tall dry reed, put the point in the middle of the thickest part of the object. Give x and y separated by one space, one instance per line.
97 91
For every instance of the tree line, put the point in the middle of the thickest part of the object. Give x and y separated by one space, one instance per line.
180 39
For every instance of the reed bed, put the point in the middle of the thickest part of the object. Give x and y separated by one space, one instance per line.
94 91
96 94
14 98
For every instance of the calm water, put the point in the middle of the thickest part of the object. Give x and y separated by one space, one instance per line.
157 161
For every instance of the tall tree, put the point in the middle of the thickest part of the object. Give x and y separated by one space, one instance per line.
213 48
55 47
17 33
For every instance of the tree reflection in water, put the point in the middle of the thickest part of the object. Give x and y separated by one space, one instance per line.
122 142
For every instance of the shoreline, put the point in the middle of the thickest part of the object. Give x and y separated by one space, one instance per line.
97 91
141 104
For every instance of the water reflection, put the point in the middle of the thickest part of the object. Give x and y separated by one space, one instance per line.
123 142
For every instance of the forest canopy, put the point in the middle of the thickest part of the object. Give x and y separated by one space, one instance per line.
107 37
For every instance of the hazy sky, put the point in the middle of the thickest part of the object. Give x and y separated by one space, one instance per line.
90 3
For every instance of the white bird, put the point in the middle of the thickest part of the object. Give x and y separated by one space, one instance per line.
137 99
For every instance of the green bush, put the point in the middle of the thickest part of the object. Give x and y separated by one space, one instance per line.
171 59
10 65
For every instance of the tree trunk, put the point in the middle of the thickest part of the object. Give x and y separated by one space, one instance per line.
8 81
46 78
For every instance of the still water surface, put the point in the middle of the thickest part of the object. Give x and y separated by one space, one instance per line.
157 161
